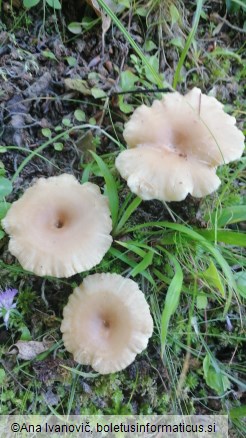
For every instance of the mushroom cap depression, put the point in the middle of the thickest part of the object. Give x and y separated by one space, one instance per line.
106 322
175 146
59 227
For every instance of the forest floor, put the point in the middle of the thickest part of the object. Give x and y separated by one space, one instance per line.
60 95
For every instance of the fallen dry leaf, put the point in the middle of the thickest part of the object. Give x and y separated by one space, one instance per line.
28 350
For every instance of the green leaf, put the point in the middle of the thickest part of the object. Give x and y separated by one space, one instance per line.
213 278
111 186
2 234
175 16
97 93
201 301
172 299
154 62
75 28
50 55
5 187
142 11
2 376
230 215
126 108
238 412
149 45
79 115
46 132
4 206
30 3
226 236
71 61
55 4
127 80
58 146
213 376
66 122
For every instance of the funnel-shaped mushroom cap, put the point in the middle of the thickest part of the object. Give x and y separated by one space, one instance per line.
59 227
176 145
106 322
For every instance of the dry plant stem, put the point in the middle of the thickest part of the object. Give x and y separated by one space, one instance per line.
183 374
225 21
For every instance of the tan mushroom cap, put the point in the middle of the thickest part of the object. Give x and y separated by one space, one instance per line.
176 145
59 227
106 322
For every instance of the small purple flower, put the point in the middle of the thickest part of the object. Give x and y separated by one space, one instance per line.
6 304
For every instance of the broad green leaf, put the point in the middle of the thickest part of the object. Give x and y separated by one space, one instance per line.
172 299
58 146
213 377
66 122
154 62
46 132
2 234
71 60
213 278
111 186
149 45
55 4
226 236
127 80
79 115
75 28
201 301
5 187
97 93
126 108
30 3
50 55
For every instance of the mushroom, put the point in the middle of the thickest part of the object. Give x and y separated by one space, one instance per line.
175 146
106 322
59 227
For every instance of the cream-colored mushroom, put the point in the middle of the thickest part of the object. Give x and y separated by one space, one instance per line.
106 322
59 227
175 146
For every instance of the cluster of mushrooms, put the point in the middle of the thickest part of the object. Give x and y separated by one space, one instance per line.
59 227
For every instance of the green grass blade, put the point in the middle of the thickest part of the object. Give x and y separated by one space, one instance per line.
111 186
127 214
188 43
123 257
172 299
143 265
